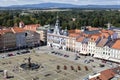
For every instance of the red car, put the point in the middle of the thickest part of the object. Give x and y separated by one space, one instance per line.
66 55
103 61
10 54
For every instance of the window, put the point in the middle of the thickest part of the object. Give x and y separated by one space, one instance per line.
26 34
103 52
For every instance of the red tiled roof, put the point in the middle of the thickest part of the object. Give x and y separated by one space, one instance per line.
17 29
116 70
31 27
105 35
116 45
107 31
94 37
13 30
80 39
105 75
75 31
3 31
74 35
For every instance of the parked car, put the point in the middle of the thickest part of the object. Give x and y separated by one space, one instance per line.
110 63
91 60
101 65
3 56
24 52
18 53
103 61
56 53
53 52
87 61
76 58
66 55
10 54
60 54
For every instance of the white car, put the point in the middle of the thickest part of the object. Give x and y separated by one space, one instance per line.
3 56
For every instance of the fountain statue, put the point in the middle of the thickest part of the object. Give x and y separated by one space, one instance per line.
29 65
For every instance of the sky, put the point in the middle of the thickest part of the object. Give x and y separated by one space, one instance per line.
77 2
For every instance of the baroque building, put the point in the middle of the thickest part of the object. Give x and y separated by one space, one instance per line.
57 38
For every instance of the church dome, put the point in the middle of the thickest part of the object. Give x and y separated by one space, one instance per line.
65 33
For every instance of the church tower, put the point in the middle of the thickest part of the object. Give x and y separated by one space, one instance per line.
21 24
57 27
65 33
108 25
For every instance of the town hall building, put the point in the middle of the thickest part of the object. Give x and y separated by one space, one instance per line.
57 38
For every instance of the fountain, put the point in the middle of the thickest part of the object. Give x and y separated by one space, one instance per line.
29 65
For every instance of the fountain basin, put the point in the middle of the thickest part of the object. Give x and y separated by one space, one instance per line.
32 66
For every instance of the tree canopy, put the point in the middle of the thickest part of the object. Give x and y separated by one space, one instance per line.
71 19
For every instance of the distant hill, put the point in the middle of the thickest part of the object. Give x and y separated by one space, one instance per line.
59 5
47 5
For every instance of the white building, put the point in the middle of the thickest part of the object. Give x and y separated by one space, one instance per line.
57 38
100 47
98 43
115 51
108 50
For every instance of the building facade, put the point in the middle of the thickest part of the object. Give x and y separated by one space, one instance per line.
8 39
20 37
58 38
15 37
43 34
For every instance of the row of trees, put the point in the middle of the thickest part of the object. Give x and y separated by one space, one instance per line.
70 19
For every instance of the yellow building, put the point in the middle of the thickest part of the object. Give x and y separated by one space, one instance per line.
43 34
71 39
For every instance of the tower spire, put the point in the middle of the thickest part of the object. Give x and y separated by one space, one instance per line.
57 29
108 25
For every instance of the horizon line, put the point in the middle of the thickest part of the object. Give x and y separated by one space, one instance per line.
63 3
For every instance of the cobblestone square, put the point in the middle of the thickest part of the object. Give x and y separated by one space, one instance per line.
48 71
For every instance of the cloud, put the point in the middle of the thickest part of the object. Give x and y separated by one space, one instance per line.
78 2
